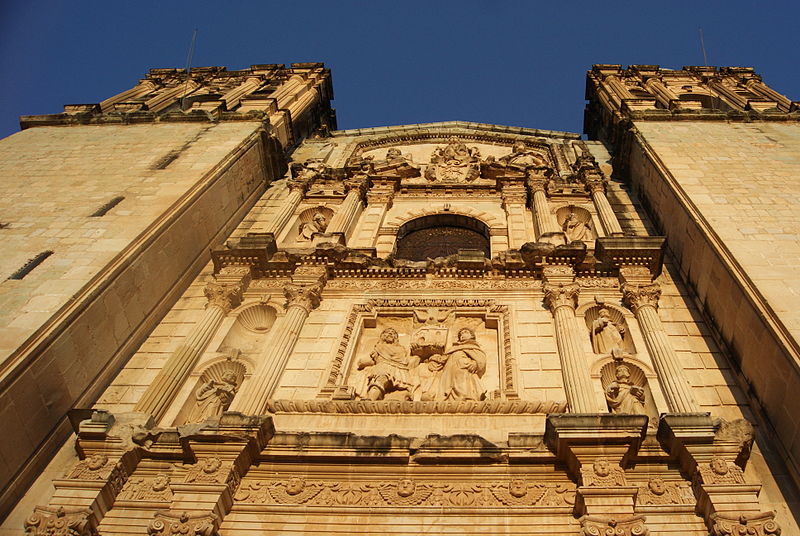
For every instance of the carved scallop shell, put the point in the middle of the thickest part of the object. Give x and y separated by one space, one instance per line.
258 318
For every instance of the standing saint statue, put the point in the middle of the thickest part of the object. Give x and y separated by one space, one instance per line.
622 395
214 397
606 335
387 368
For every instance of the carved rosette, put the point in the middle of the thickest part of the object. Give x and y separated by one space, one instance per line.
61 522
636 296
556 296
609 526
223 295
306 296
170 524
762 524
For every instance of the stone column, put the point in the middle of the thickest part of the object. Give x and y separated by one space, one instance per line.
597 187
224 293
643 300
234 96
561 297
297 188
343 219
514 199
661 92
142 88
546 224
302 296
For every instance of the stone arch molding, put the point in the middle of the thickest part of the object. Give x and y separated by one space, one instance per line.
458 209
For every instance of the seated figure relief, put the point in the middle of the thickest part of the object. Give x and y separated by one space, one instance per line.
387 369
214 397
432 371
622 395
396 164
575 229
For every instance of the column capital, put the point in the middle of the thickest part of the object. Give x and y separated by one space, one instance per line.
596 184
514 194
77 521
358 182
636 296
561 295
226 296
307 297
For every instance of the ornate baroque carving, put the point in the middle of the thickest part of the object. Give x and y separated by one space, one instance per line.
609 526
597 282
94 467
720 471
602 473
391 407
556 296
762 524
171 524
61 522
658 491
147 489
209 470
226 296
454 163
306 296
444 284
406 492
635 296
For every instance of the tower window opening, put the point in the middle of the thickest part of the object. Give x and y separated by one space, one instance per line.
30 265
102 211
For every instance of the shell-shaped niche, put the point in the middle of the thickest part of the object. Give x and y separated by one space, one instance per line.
258 318
311 220
250 329
213 392
608 330
609 374
576 222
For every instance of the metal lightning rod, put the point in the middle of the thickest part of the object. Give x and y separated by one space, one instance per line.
189 65
703 47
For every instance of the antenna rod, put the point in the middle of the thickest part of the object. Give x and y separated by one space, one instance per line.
189 65
703 46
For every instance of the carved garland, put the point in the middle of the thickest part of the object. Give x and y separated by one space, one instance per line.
374 307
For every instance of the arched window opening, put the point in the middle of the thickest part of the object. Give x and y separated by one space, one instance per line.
441 235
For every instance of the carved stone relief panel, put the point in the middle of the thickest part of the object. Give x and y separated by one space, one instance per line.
431 350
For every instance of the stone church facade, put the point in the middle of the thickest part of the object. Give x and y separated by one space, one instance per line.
244 321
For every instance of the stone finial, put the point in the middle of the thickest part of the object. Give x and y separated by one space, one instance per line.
636 296
561 295
226 296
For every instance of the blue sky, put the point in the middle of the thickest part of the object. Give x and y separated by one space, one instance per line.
505 62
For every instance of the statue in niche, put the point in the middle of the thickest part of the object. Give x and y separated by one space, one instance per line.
318 224
387 369
456 374
575 229
606 335
214 397
623 396
454 163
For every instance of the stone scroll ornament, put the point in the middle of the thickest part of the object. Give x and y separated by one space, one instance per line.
171 524
762 524
61 522
609 526
454 163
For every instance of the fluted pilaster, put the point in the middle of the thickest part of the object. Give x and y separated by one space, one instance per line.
609 220
561 299
545 221
288 207
222 297
343 219
643 300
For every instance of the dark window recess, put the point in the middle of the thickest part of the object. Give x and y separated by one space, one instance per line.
30 265
3 225
108 206
441 235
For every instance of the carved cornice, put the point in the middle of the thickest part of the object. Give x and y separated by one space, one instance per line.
61 522
225 296
395 407
561 295
306 296
637 296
